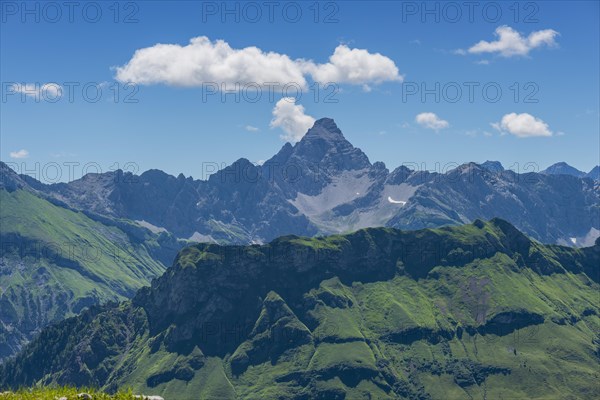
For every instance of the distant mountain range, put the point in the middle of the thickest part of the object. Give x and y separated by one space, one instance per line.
321 185
324 185
562 168
473 311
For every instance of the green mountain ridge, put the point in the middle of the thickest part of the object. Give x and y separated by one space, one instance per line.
54 262
475 311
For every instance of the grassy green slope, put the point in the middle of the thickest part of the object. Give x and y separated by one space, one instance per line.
56 261
519 321
53 393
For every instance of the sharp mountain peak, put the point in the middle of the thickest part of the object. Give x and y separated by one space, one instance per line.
325 144
325 127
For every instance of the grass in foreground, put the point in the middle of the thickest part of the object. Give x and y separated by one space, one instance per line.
68 393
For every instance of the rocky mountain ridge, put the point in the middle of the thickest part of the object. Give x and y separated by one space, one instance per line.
324 185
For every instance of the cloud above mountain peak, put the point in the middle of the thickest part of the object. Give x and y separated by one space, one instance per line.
292 119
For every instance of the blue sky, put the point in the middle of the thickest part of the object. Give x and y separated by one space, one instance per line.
548 50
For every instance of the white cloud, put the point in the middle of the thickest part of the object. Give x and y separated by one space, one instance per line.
251 128
522 125
49 91
431 121
512 43
205 61
355 66
19 154
290 117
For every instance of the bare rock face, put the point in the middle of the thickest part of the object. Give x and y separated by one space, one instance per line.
322 154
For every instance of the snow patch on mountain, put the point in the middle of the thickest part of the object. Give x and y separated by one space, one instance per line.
396 201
